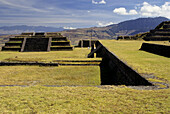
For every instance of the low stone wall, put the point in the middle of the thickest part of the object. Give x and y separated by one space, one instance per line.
162 50
116 72
36 44
127 37
27 63
85 43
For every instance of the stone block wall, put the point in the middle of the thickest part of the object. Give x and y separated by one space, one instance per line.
85 43
36 44
116 72
162 50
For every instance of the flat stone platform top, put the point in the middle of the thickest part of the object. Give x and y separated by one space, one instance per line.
143 62
45 34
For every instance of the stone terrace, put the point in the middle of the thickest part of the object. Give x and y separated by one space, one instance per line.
50 41
160 33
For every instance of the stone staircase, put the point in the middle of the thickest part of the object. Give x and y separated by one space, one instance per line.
2 41
160 33
38 42
14 44
60 43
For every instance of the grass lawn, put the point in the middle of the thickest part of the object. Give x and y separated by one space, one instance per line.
105 99
62 75
76 54
38 99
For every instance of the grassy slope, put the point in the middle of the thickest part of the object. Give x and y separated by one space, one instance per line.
141 61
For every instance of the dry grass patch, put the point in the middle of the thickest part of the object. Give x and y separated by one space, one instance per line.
62 75
82 100
77 53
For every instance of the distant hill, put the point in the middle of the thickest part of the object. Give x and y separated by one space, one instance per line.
25 28
139 25
129 27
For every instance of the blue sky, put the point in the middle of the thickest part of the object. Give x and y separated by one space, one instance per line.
78 13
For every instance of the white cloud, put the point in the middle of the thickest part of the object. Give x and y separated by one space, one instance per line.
132 12
154 10
147 10
102 24
70 28
123 11
94 2
101 2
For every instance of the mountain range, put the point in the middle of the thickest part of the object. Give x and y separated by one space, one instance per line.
129 27
24 28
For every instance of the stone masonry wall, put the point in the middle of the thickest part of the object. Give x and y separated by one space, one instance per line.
162 50
116 72
36 44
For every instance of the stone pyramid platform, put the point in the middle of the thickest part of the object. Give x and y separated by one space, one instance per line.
29 42
160 33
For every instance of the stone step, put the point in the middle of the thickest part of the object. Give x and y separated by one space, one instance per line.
59 39
21 36
59 43
166 22
53 34
16 39
160 30
13 44
157 38
61 48
39 34
11 48
166 26
160 34
29 33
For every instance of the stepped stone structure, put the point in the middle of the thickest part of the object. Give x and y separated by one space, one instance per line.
160 33
86 43
28 42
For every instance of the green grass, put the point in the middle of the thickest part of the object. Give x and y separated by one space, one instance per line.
80 100
62 75
68 75
106 99
34 75
14 42
143 62
76 54
160 42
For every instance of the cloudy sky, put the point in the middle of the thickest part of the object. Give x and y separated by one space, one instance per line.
78 13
